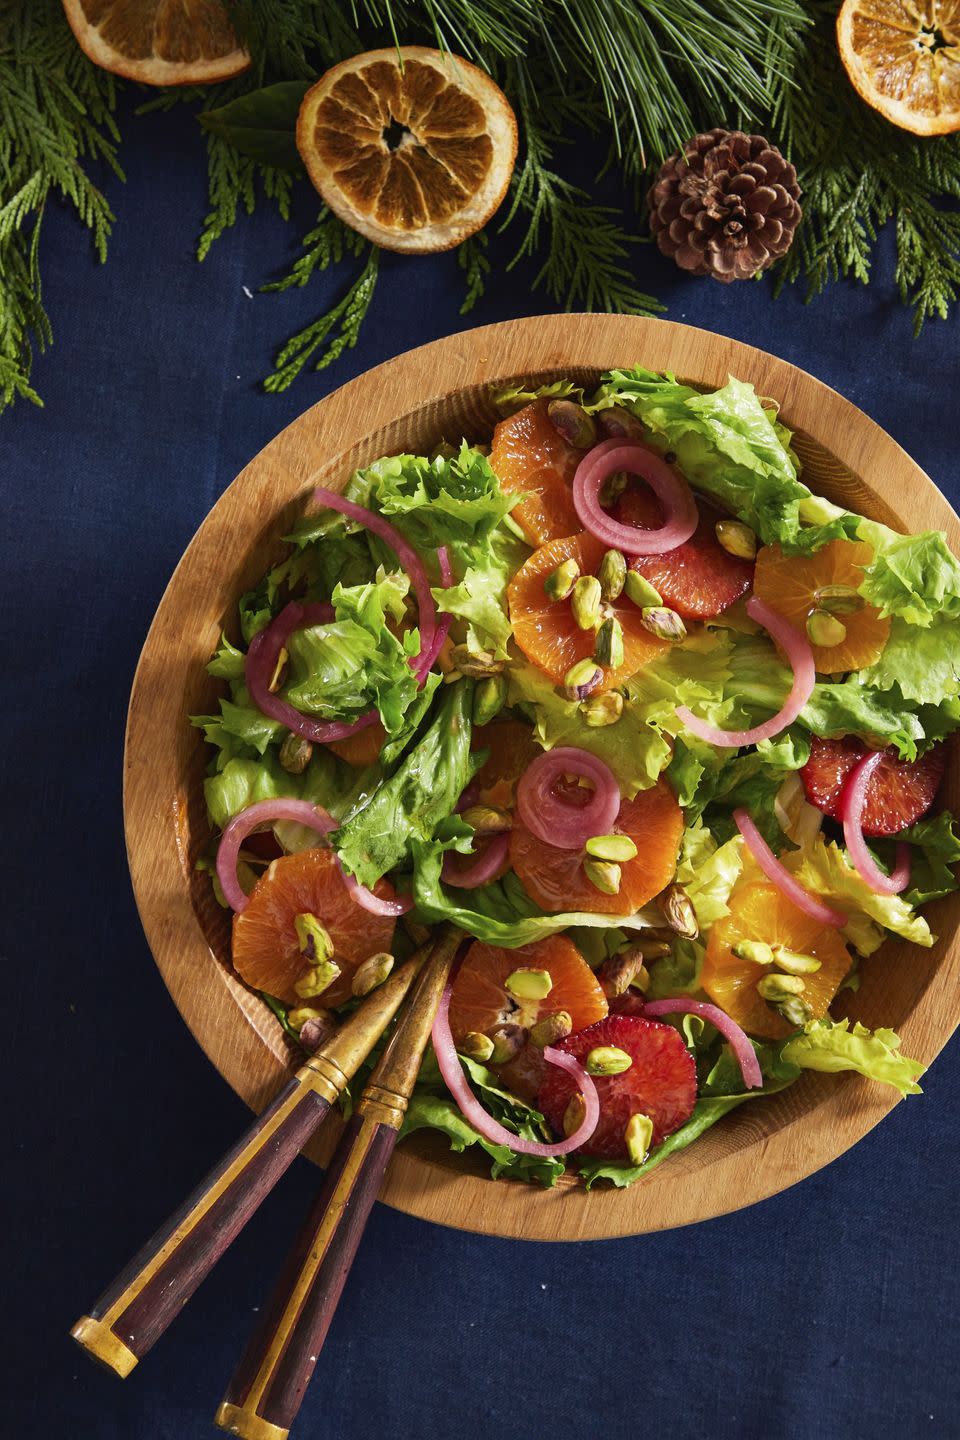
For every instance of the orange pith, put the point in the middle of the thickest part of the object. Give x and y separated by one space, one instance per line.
555 879
903 58
159 42
759 911
266 953
480 1000
545 629
789 583
529 455
411 147
512 747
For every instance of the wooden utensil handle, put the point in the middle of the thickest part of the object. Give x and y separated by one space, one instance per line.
266 1391
132 1314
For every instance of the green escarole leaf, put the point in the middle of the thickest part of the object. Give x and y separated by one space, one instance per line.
262 124
835 1045
916 577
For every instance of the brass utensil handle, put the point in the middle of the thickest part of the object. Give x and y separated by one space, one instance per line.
267 1389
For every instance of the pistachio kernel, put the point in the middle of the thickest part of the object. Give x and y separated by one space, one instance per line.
487 819
316 979
585 601
582 679
663 622
575 1114
825 629
756 952
371 973
551 1028
612 575
296 752
508 1041
736 538
778 987
529 984
603 876
608 646
314 939
488 699
793 963
637 1136
611 847
607 1060
476 1046
560 582
300 1014
640 591
612 488
838 599
572 422
475 663
677 909
616 423
602 709
315 1031
619 972
795 1011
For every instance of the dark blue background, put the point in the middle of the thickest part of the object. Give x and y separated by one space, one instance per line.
828 1310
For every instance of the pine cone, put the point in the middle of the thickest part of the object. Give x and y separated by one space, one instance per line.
726 205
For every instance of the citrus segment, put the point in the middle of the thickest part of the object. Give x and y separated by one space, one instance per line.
789 585
898 792
904 60
512 747
556 880
361 749
698 579
266 952
759 911
529 456
411 147
159 42
545 629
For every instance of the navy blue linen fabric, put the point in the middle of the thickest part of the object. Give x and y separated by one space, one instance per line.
829 1310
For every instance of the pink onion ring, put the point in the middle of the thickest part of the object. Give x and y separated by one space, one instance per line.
237 830
670 488
852 802
778 875
261 664
366 899
456 1082
796 647
567 827
446 569
729 1029
468 871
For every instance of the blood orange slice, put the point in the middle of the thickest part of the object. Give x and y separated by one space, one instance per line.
266 951
528 455
759 911
698 579
790 584
545 629
898 793
555 879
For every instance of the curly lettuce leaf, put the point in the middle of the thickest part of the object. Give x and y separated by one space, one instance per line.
835 1045
924 662
823 868
480 597
931 873
915 577
708 872
508 399
326 781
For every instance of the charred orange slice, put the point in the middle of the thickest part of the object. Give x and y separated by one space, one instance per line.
545 629
411 147
159 42
759 911
903 58
266 952
791 584
528 455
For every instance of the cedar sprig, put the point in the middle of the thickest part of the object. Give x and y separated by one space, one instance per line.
342 322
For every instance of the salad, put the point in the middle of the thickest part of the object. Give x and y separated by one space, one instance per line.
615 694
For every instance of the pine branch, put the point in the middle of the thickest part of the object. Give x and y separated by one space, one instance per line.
343 321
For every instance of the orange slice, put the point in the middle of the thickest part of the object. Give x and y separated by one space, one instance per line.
527 454
413 148
903 58
361 749
266 952
759 911
555 878
789 585
480 1000
159 42
545 629
512 747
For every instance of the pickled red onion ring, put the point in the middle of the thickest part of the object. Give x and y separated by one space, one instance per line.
567 827
778 875
446 569
729 1029
456 1082
670 488
366 899
852 802
237 830
468 871
796 647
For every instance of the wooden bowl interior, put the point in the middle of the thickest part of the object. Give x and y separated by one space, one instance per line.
165 813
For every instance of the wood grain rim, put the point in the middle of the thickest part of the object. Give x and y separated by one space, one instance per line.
761 1148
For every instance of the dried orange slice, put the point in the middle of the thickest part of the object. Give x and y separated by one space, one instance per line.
411 147
759 911
266 951
903 58
545 629
528 455
789 585
159 42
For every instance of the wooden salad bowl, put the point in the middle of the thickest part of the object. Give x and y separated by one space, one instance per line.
408 404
